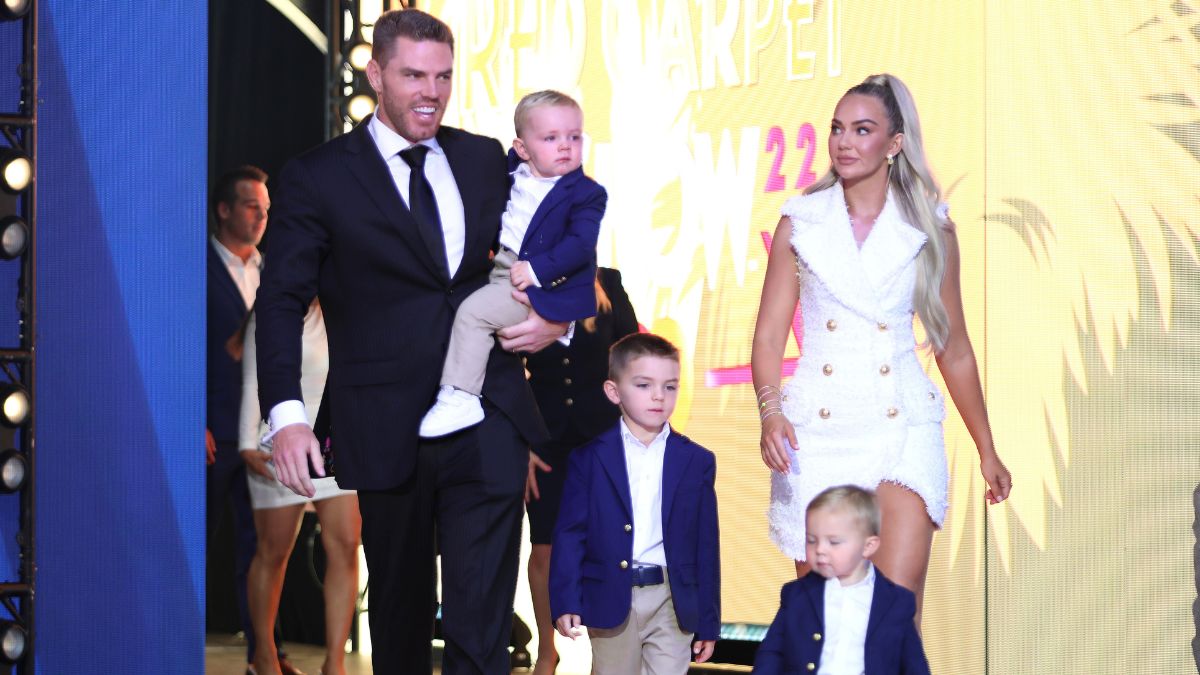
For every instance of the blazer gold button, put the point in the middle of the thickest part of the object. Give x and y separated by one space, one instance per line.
824 413
817 636
567 381
831 324
811 666
569 401
883 370
624 564
882 326
566 362
628 527
892 412
827 369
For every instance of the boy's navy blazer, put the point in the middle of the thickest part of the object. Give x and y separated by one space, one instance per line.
591 570
794 640
560 245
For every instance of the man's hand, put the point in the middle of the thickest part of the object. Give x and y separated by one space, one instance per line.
703 649
569 626
520 275
535 464
256 461
210 447
533 334
292 447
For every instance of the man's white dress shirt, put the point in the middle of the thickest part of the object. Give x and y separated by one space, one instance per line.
246 274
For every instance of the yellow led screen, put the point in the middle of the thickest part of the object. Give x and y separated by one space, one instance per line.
1067 138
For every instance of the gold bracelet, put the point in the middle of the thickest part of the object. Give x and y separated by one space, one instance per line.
763 418
759 393
763 404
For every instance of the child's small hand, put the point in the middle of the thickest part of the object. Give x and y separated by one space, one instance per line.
703 649
569 626
521 275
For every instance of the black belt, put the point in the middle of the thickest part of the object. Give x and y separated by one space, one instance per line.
650 575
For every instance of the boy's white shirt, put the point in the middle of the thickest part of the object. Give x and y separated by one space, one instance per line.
644 466
526 196
847 611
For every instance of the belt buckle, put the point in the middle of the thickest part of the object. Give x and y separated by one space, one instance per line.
649 575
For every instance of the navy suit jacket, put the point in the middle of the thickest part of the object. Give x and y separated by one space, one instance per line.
793 643
594 536
341 231
560 244
223 390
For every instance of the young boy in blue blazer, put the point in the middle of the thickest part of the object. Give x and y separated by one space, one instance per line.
636 554
844 616
547 249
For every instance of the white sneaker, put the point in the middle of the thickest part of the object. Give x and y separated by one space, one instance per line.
454 410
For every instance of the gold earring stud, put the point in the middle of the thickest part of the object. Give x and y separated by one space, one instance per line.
890 160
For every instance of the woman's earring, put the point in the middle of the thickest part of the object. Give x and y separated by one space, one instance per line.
890 160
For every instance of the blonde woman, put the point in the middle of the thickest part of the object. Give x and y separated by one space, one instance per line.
278 512
870 245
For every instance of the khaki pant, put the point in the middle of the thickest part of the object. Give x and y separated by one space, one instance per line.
484 312
650 641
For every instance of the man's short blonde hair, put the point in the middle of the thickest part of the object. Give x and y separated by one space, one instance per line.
535 100
858 502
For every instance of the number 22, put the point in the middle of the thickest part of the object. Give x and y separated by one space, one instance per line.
806 140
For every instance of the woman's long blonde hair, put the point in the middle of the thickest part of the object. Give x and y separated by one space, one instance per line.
919 195
603 305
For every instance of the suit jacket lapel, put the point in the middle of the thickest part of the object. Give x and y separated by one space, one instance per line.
825 244
370 169
881 603
560 191
463 169
612 457
813 585
217 268
675 461
891 247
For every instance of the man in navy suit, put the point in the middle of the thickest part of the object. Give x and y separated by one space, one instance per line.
547 248
636 554
844 616
392 226
239 205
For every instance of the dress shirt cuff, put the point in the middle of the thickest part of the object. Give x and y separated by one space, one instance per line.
533 274
565 340
283 414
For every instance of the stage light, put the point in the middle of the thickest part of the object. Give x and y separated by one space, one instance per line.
14 405
10 10
12 470
359 107
360 55
14 237
12 642
15 171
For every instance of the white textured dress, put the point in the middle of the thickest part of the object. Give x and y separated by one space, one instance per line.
269 493
863 408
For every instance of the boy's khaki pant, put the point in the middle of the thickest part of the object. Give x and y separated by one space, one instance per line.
484 312
650 641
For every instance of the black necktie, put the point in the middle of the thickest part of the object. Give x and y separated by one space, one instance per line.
423 205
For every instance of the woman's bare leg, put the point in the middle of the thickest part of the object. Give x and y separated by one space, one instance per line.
906 539
341 526
277 530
